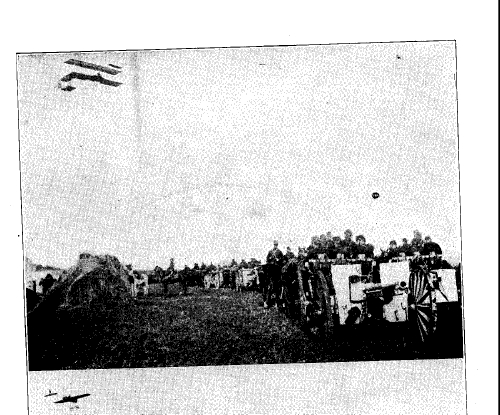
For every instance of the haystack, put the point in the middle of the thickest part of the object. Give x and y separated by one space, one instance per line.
94 277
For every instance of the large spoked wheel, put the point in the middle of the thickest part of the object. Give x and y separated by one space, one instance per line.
286 301
324 306
315 314
422 309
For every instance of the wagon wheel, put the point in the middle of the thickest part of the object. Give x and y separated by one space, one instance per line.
285 301
315 310
422 309
323 301
303 300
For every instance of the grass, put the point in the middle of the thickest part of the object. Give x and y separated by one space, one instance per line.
205 327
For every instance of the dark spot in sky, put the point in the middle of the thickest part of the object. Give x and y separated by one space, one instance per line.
227 198
262 64
375 195
398 57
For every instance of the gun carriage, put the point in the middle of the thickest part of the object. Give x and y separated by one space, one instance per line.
325 294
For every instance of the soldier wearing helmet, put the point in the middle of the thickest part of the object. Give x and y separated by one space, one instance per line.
392 251
274 263
334 247
289 254
417 243
362 248
275 256
314 249
348 246
430 247
406 248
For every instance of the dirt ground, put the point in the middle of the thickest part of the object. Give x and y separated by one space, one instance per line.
208 327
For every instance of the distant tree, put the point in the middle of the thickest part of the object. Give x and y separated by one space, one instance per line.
196 267
203 266
233 263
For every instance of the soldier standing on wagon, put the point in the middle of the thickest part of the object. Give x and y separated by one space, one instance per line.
406 248
393 251
360 246
274 261
430 247
348 245
417 243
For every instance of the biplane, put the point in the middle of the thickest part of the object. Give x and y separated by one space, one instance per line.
72 399
110 70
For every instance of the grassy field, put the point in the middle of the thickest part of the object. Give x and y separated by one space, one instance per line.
205 327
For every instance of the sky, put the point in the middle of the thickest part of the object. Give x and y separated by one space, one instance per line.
211 154
401 387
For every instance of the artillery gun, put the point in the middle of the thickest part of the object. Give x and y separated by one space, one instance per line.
343 292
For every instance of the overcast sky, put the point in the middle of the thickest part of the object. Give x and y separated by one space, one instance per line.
205 155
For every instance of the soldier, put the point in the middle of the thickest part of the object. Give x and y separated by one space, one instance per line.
369 251
184 279
274 256
417 243
360 246
131 279
392 252
314 249
323 240
430 247
274 262
348 246
289 254
406 248
334 247
329 236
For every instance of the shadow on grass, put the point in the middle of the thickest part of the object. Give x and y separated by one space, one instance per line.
206 327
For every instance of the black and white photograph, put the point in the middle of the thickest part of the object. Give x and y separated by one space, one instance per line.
239 207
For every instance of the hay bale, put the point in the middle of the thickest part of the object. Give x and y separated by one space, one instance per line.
94 277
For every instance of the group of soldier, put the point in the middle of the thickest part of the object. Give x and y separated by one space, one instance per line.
324 247
340 251
331 247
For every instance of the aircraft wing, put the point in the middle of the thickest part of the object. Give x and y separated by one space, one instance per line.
73 399
93 66
80 396
108 82
85 77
